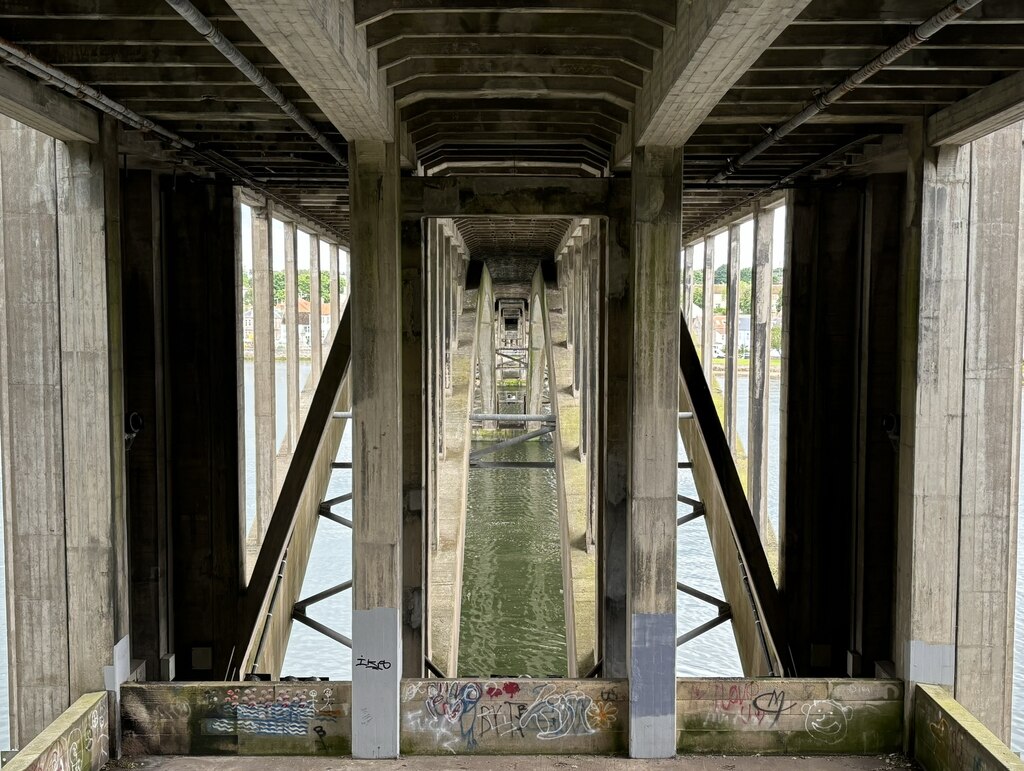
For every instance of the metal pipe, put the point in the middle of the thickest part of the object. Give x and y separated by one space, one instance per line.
822 102
270 613
19 57
205 27
512 417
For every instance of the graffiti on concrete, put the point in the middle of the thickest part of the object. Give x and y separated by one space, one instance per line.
466 715
826 720
267 711
86 747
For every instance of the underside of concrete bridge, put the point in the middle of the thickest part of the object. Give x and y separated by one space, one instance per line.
438 214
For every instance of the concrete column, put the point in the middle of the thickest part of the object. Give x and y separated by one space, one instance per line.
142 282
657 205
760 342
732 327
485 343
414 385
430 399
613 531
586 335
596 391
447 281
438 344
203 266
537 358
264 381
32 440
377 466
707 336
316 345
335 298
933 294
991 433
817 443
291 323
92 391
687 296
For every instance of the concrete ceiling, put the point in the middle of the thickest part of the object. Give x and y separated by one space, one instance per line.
544 87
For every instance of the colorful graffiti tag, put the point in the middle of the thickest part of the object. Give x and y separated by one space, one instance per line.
459 716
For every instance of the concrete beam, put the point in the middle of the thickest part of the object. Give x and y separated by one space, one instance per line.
713 44
377 467
508 196
30 102
990 109
657 206
312 38
316 338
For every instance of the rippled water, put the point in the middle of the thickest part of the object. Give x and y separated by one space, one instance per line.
513 607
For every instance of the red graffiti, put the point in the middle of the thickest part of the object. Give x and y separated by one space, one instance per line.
510 688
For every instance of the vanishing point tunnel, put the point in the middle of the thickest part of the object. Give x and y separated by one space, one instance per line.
426 334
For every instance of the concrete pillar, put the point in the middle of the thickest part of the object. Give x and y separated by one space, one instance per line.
264 380
377 467
485 343
732 327
613 530
537 357
991 433
335 294
657 205
316 345
61 417
596 391
414 385
707 336
92 391
431 403
687 296
202 264
291 323
760 342
579 340
817 437
586 335
142 282
933 294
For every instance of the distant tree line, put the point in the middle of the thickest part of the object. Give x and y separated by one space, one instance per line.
303 284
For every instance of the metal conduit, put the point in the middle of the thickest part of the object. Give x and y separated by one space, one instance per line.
205 27
19 57
822 102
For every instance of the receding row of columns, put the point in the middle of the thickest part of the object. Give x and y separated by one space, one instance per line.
763 222
582 295
264 350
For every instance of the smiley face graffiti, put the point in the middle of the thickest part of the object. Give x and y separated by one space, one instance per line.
826 720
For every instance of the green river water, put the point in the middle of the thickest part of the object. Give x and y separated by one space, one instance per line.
513 611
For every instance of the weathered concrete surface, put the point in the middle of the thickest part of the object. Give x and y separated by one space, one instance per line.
78 739
377 466
779 716
651 600
514 716
566 408
452 475
530 763
948 738
62 418
264 366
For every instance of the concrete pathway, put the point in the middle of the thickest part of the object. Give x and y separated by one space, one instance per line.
523 763
446 568
574 478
